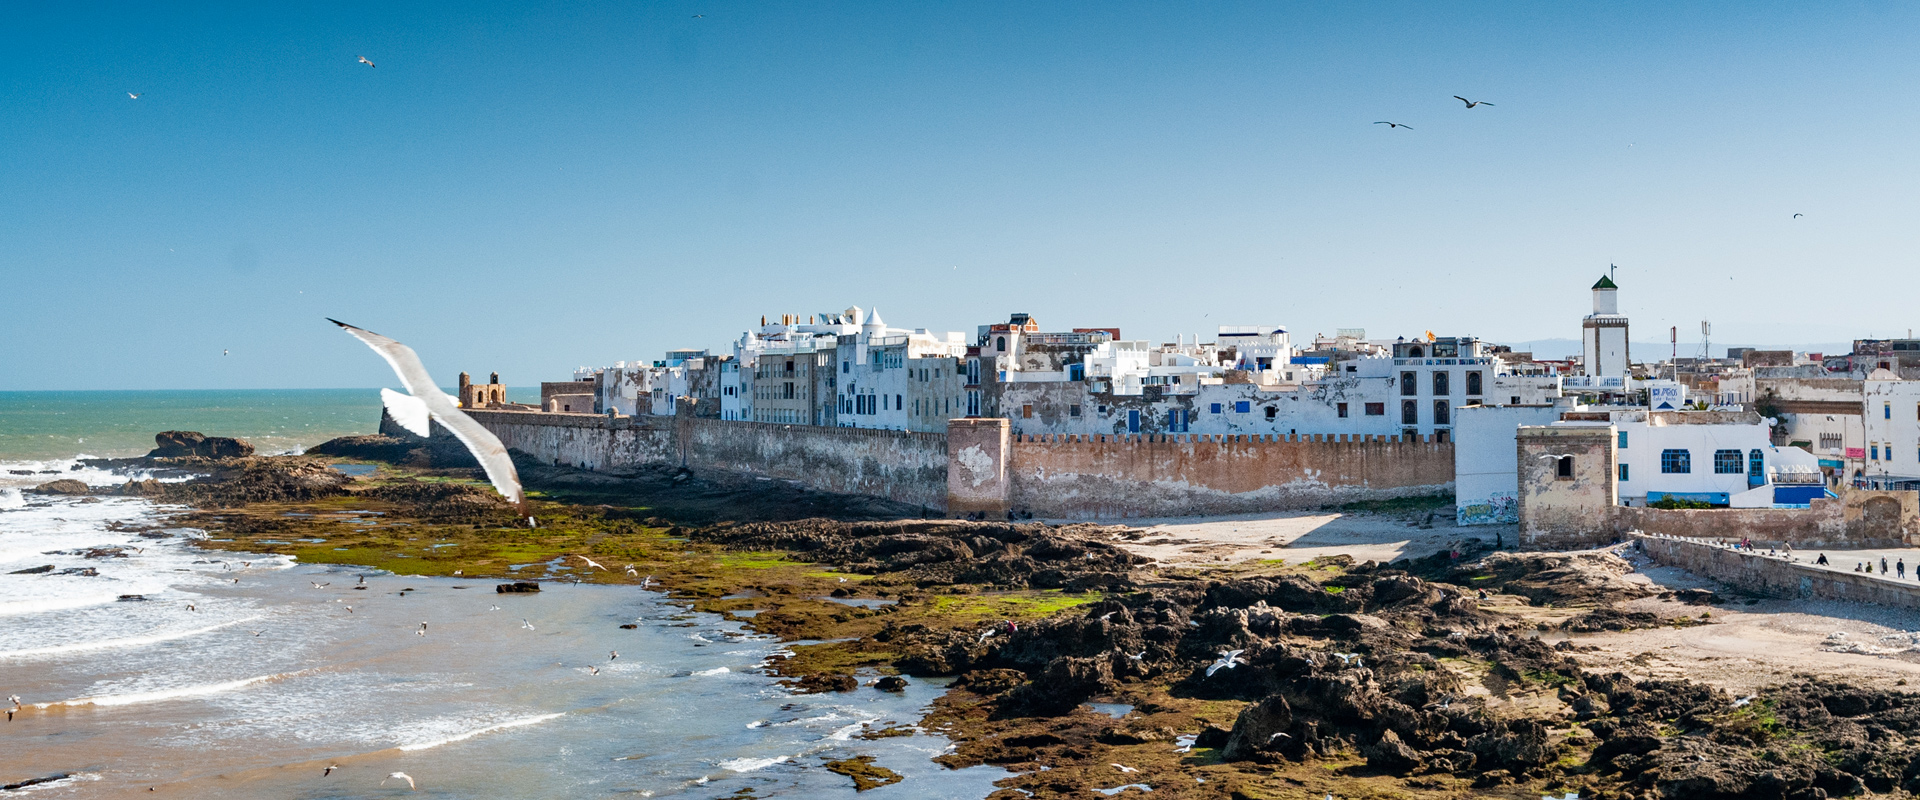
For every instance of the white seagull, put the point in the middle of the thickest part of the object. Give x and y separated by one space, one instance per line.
616 655
525 624
329 770
363 60
134 96
493 608
428 402
591 562
1228 658
399 776
1348 658
1745 700
1124 768
1137 656
1471 103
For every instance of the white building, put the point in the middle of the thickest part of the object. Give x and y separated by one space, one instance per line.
898 379
1892 421
1486 481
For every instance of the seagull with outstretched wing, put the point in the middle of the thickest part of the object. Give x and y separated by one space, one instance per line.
429 403
1391 124
363 60
1471 103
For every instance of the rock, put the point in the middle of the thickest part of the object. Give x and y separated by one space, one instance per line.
629 626
66 486
891 683
990 681
84 572
865 774
33 570
1590 706
1212 737
1261 726
189 444
1064 684
516 587
817 684
1389 754
132 598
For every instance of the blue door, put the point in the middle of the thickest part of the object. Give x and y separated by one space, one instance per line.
1756 469
1133 420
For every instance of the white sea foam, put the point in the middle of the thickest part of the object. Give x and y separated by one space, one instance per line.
162 695
752 764
518 723
11 498
714 671
131 641
846 733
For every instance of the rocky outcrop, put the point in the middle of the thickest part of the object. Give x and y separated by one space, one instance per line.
193 444
64 486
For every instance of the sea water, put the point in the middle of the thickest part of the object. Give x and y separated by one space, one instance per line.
143 660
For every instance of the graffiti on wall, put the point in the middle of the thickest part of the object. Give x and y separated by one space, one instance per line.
1500 508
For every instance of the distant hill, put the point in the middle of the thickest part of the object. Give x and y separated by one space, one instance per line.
1555 349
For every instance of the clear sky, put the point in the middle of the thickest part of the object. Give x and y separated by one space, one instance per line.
528 187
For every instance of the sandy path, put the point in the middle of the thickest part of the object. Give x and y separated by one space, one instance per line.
1299 536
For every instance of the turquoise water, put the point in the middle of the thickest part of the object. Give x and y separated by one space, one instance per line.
44 425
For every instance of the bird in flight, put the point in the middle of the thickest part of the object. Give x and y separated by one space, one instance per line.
134 95
425 401
591 562
593 670
1471 103
697 16
363 60
1124 768
1391 124
1228 658
1348 658
525 624
1797 216
399 776
329 770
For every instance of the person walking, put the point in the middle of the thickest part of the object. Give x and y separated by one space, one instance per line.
1822 561
1900 568
1883 565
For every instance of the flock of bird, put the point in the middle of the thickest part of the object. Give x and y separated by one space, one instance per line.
1470 105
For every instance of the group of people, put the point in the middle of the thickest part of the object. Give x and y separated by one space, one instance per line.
1899 567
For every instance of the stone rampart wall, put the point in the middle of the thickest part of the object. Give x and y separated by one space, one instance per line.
1177 475
1776 576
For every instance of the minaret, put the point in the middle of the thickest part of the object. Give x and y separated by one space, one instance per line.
1603 334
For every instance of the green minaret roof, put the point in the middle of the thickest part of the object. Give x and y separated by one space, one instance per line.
1605 283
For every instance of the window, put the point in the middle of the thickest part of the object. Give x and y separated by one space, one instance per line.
1376 409
1339 408
1873 452
1623 440
1001 344
1409 412
1026 411
1514 400
1242 406
1409 384
1676 462
1563 468
1441 413
1073 411
1623 472
1442 385
1274 412
1886 411
1473 383
1214 408
1415 352
1076 372
899 402
1728 462
1177 421
1830 442
1756 466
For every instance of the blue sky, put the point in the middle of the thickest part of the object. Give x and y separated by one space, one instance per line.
530 187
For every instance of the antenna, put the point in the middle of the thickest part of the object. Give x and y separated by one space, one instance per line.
1673 362
1610 268
1706 342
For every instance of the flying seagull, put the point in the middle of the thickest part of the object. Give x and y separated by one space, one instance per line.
1745 700
591 562
1228 658
1557 455
1391 124
1471 103
1348 658
135 96
399 776
1124 768
1797 216
427 401
525 624
329 770
363 60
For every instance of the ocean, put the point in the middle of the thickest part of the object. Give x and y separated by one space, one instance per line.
55 425
143 661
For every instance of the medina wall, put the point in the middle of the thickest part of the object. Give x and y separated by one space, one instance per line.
904 467
1087 477
1776 576
1860 519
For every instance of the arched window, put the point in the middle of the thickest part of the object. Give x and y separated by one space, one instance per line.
1001 344
1416 352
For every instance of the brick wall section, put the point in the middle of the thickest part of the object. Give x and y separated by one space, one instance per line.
1776 577
897 465
1177 475
906 467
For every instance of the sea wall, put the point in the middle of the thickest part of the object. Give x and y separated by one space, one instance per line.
990 472
1185 474
1861 518
905 467
1776 576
